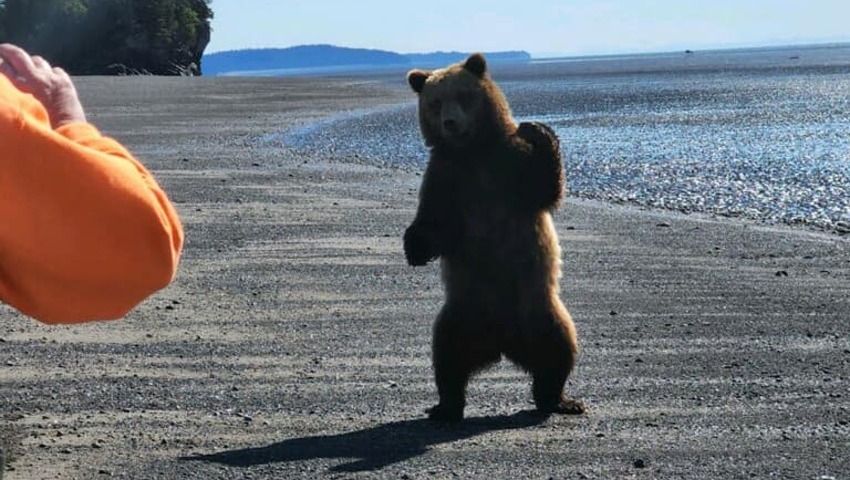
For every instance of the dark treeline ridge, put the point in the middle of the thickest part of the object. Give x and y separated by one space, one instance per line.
111 37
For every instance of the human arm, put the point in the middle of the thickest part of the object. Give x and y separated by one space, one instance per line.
86 232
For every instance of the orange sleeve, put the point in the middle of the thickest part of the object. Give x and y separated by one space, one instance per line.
85 231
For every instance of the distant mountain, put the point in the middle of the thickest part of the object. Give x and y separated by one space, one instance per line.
445 58
329 58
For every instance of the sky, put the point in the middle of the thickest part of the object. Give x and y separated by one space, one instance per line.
541 27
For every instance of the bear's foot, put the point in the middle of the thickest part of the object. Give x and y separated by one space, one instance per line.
445 413
566 406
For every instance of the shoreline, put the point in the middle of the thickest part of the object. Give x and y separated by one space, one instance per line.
294 342
758 189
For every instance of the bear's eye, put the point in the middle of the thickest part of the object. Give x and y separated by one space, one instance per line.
435 105
465 99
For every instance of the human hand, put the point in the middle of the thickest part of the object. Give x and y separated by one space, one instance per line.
49 85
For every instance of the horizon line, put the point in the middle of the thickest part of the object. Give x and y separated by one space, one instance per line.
600 53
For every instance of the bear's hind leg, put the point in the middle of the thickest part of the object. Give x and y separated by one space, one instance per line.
459 352
550 362
548 391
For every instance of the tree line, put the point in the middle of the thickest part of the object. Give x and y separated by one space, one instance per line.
102 37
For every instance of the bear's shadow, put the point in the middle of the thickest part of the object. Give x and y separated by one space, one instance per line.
372 448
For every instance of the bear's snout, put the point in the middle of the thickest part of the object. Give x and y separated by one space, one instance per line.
452 117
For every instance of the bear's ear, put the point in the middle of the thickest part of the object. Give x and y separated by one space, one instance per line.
416 79
476 64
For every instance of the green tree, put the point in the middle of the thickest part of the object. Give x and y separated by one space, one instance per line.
164 37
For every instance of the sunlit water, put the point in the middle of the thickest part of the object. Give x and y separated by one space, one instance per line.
762 134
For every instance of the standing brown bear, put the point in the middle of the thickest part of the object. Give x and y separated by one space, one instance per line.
484 209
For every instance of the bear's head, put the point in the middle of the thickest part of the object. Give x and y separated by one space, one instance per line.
460 106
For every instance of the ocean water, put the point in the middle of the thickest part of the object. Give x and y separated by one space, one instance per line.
762 133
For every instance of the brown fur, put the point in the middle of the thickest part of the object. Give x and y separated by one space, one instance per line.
484 209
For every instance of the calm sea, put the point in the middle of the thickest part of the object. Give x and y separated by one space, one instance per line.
758 133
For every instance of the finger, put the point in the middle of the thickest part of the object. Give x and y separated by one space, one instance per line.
7 70
40 62
61 79
18 59
59 71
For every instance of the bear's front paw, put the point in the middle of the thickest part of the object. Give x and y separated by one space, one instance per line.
538 134
417 247
445 413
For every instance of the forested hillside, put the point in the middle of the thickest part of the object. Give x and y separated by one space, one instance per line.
86 37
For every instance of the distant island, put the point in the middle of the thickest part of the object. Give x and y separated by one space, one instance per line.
330 58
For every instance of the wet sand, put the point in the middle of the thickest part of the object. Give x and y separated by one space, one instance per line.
294 342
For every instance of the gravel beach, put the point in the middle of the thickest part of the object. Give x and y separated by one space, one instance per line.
295 341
